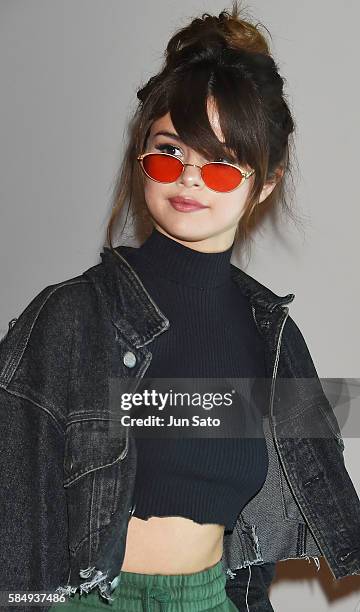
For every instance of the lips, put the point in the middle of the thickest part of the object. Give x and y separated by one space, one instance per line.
185 204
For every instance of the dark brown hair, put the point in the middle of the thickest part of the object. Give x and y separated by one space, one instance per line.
228 59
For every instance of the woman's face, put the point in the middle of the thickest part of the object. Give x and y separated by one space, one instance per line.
209 229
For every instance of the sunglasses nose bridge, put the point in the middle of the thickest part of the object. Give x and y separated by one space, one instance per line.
193 166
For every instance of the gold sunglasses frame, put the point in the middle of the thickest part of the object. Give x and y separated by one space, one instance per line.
245 175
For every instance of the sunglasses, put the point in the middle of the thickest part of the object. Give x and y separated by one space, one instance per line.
217 176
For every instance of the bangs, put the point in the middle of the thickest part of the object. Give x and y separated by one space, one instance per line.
235 101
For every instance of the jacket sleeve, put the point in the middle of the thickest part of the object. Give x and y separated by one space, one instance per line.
33 527
303 367
33 510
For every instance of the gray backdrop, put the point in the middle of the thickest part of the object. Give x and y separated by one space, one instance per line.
69 71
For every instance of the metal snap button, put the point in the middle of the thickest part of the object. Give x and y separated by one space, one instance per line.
129 359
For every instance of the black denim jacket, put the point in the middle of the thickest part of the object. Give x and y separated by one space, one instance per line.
67 480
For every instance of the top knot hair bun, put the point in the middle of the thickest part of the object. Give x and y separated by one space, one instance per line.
215 34
209 39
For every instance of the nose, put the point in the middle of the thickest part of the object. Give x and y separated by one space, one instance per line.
190 176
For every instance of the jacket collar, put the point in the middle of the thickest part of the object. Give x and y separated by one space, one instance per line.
128 300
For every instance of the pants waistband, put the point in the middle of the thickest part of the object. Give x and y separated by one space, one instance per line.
197 591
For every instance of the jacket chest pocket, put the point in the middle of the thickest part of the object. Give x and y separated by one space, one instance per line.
92 444
94 451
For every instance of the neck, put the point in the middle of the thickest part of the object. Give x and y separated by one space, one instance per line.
173 260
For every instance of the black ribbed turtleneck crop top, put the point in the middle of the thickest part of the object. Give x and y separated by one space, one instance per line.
212 334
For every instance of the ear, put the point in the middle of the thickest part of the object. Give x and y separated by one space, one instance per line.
270 185
266 190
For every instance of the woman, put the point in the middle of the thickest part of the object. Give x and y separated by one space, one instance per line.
153 520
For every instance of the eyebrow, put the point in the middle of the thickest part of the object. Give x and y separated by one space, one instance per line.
168 135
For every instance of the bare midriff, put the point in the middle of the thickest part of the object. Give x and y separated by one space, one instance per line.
171 545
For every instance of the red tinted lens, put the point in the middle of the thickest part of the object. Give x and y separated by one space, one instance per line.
162 168
221 177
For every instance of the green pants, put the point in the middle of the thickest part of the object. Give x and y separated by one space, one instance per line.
197 592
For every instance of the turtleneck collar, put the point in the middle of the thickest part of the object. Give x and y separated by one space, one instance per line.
174 261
